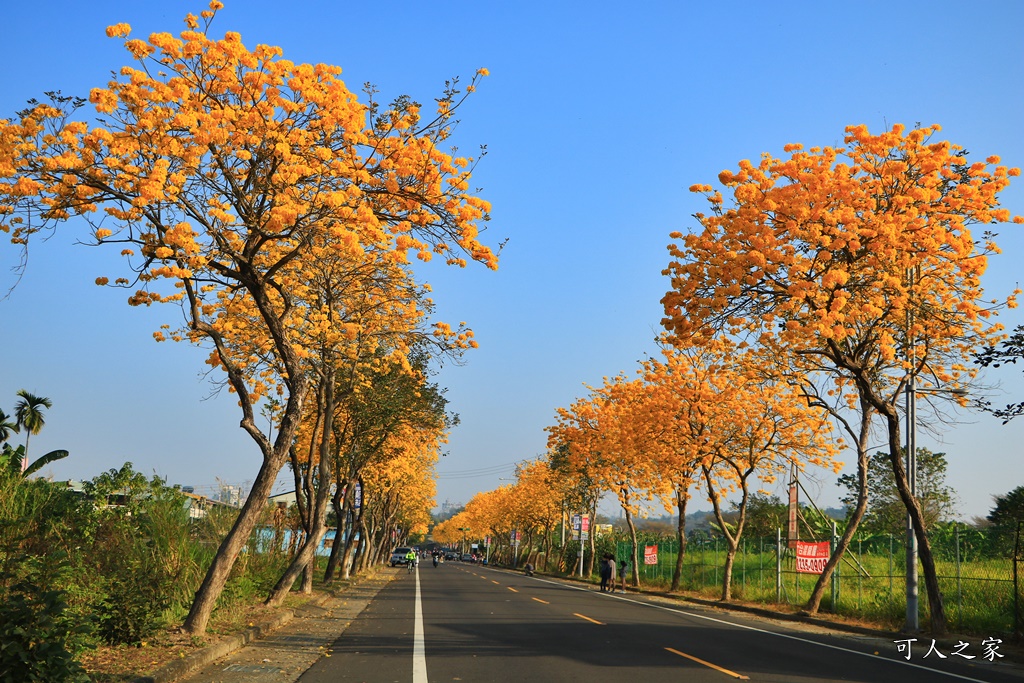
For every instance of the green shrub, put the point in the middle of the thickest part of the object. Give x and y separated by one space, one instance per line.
143 550
37 635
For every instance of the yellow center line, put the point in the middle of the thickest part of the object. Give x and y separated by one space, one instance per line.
495 582
512 589
542 601
595 621
709 664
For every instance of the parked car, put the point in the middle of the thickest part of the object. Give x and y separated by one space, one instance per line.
398 556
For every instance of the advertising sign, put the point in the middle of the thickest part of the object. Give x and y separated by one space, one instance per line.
811 558
650 554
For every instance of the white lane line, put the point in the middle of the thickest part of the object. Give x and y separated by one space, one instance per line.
419 653
775 633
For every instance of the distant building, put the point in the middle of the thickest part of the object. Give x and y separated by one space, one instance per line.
449 509
288 498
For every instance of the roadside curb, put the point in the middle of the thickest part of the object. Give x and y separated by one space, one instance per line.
200 658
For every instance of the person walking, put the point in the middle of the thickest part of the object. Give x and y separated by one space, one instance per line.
611 573
623 573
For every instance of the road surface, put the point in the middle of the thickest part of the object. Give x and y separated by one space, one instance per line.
463 622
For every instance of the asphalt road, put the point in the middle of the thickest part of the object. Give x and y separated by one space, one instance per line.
461 622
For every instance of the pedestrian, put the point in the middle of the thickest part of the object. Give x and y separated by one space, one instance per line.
611 573
623 572
605 572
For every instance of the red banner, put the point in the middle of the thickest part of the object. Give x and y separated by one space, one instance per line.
650 554
811 558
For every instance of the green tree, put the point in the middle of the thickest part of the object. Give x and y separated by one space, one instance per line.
29 413
1007 351
7 426
886 512
765 514
1009 509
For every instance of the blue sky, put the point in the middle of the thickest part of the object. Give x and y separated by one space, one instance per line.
596 122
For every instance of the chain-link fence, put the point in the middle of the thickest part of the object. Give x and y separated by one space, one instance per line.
979 573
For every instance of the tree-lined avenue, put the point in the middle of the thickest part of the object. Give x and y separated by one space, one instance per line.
481 624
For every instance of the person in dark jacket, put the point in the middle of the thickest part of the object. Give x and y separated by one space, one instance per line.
606 573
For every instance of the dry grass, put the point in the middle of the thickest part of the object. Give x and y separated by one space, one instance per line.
124 663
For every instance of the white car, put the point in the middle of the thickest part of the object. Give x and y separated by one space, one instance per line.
398 556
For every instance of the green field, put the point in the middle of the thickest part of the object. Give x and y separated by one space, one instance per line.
978 590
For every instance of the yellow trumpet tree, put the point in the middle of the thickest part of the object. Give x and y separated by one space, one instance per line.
610 440
683 391
759 429
539 498
398 493
484 515
397 411
856 263
213 167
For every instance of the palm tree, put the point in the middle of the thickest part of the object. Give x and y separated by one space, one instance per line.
29 412
7 427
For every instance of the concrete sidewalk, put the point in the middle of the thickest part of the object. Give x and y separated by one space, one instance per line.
279 651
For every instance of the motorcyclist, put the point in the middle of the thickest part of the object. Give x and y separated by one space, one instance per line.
528 569
435 559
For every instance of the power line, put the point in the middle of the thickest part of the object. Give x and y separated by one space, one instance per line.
478 472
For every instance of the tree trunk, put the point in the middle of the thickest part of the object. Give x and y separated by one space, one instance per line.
633 545
217 575
562 565
730 556
732 540
681 500
937 611
590 560
307 574
547 548
364 549
814 602
307 552
342 514
317 517
352 543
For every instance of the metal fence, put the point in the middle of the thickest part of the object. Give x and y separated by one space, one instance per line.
979 574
